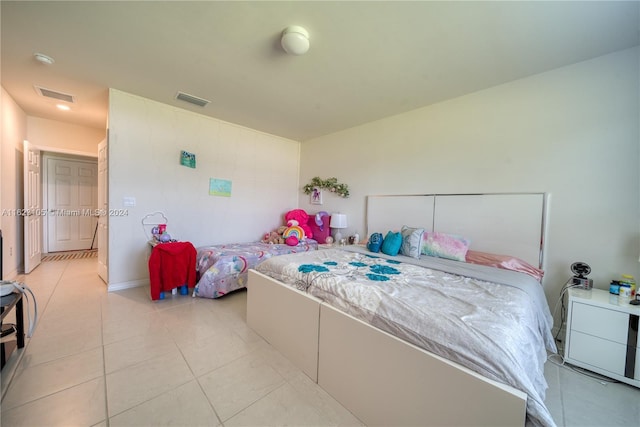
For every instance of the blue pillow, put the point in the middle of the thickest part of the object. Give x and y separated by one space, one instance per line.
391 243
375 242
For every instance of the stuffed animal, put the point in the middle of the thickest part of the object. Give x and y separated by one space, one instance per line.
300 218
293 234
273 238
292 241
297 229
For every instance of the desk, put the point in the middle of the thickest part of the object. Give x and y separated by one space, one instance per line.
8 303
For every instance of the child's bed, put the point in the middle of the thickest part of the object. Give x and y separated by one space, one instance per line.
479 358
224 268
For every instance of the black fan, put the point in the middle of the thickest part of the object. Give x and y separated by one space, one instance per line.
580 269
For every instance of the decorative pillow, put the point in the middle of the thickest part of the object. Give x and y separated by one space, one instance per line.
375 242
391 243
320 234
411 241
444 245
505 262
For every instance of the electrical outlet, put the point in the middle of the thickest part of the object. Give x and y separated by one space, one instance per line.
10 250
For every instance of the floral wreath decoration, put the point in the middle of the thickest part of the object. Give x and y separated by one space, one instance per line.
330 184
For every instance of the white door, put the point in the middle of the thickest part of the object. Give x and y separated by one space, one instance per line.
72 198
103 208
33 207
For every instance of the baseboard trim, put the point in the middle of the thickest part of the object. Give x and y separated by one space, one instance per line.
127 285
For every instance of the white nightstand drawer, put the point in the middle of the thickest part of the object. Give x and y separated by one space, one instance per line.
598 352
608 324
601 335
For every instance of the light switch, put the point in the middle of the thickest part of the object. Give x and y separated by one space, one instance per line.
129 201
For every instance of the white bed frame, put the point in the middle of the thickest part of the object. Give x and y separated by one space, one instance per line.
381 379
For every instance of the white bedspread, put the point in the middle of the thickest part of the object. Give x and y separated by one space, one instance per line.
468 316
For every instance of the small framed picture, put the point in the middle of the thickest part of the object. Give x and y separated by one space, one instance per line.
316 196
187 159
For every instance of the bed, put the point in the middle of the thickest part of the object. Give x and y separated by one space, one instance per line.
224 268
461 370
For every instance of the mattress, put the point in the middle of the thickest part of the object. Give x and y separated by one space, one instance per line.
224 268
494 322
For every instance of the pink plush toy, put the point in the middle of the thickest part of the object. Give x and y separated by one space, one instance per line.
292 241
302 218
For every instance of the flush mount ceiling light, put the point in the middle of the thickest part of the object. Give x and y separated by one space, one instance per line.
43 59
295 40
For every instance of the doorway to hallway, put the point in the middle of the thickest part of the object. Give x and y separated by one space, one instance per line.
71 201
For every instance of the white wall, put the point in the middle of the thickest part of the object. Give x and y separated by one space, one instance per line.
59 136
14 132
572 132
145 140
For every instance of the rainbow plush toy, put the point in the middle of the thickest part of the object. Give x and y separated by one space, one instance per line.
293 234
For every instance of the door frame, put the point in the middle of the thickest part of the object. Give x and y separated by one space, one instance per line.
60 151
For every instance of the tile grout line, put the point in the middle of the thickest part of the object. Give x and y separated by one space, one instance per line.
104 367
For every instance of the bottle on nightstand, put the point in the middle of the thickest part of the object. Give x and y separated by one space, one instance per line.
628 279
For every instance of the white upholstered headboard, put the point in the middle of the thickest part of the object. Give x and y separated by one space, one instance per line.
501 223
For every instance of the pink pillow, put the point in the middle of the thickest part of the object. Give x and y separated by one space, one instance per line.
505 262
320 236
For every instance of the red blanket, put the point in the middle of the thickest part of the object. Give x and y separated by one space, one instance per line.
171 265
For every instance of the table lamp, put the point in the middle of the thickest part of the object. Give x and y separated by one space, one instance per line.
338 221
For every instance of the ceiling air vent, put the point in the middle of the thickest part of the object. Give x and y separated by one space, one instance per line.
192 99
48 93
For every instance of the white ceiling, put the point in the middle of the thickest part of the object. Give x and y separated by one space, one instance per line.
367 60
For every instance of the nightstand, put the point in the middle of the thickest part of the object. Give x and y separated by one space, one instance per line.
172 265
602 335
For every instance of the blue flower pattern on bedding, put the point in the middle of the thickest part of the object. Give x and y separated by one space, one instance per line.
377 272
383 269
308 268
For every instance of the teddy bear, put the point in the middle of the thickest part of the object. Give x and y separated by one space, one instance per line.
273 238
300 218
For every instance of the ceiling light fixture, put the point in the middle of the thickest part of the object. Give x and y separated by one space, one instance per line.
63 107
295 40
43 59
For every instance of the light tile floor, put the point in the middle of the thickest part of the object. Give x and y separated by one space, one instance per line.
116 359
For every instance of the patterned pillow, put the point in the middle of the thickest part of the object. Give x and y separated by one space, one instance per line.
375 242
391 243
443 245
411 241
320 233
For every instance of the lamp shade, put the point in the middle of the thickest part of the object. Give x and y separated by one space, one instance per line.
295 40
338 220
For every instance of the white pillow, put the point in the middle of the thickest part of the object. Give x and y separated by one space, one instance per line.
411 241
